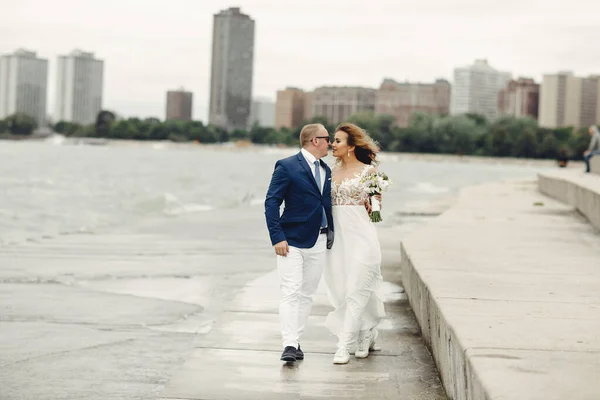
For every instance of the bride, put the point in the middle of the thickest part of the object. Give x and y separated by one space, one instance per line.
352 272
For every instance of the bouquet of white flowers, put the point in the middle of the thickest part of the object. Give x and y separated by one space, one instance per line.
375 184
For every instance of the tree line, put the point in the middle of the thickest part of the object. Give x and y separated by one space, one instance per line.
468 134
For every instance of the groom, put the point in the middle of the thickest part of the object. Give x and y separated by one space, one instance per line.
301 235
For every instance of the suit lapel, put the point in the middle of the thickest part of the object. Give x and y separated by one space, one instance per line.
308 170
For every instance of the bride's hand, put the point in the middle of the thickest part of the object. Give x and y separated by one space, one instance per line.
378 197
368 203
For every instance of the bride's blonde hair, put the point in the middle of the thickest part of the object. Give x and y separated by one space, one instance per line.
366 148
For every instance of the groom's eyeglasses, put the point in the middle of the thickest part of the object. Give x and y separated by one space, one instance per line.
323 137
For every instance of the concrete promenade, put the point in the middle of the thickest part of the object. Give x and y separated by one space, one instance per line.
239 357
186 308
506 289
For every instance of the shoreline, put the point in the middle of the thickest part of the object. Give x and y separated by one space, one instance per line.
252 147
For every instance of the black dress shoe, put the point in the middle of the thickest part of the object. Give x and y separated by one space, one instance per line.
299 353
289 354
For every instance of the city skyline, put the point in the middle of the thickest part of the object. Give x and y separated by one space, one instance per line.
358 45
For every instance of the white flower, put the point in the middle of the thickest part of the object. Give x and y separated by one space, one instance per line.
375 183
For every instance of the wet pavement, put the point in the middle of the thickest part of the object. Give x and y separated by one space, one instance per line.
185 309
239 358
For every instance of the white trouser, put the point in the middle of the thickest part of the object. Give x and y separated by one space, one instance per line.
299 276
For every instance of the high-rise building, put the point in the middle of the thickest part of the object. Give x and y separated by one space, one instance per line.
519 99
590 101
476 88
403 99
568 100
337 103
263 112
179 105
308 102
78 87
232 69
290 108
23 85
598 104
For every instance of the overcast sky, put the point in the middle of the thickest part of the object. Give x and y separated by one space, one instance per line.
150 46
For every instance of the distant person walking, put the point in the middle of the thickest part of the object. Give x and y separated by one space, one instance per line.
594 147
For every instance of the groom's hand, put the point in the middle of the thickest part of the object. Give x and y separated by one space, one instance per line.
282 248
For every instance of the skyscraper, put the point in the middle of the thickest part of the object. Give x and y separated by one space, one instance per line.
476 88
78 87
179 105
23 83
232 69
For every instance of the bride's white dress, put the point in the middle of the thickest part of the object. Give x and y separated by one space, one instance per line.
353 269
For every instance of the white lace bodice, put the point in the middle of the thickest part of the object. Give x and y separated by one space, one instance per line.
350 191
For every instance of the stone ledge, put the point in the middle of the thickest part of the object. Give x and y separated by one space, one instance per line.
578 189
595 165
506 289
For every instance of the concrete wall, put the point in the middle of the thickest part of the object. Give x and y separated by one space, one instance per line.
505 287
595 165
577 190
437 332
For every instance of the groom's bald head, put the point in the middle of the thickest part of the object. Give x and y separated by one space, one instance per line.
310 131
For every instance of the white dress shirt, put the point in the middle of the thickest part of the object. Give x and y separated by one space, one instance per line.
311 163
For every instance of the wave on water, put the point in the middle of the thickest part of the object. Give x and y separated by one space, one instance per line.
169 204
56 139
160 146
188 209
388 157
173 206
429 188
284 151
247 200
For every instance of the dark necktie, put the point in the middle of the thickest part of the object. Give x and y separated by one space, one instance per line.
318 179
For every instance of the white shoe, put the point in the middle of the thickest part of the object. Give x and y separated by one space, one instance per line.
342 356
366 343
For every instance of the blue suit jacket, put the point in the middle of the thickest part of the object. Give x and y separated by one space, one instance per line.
294 183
